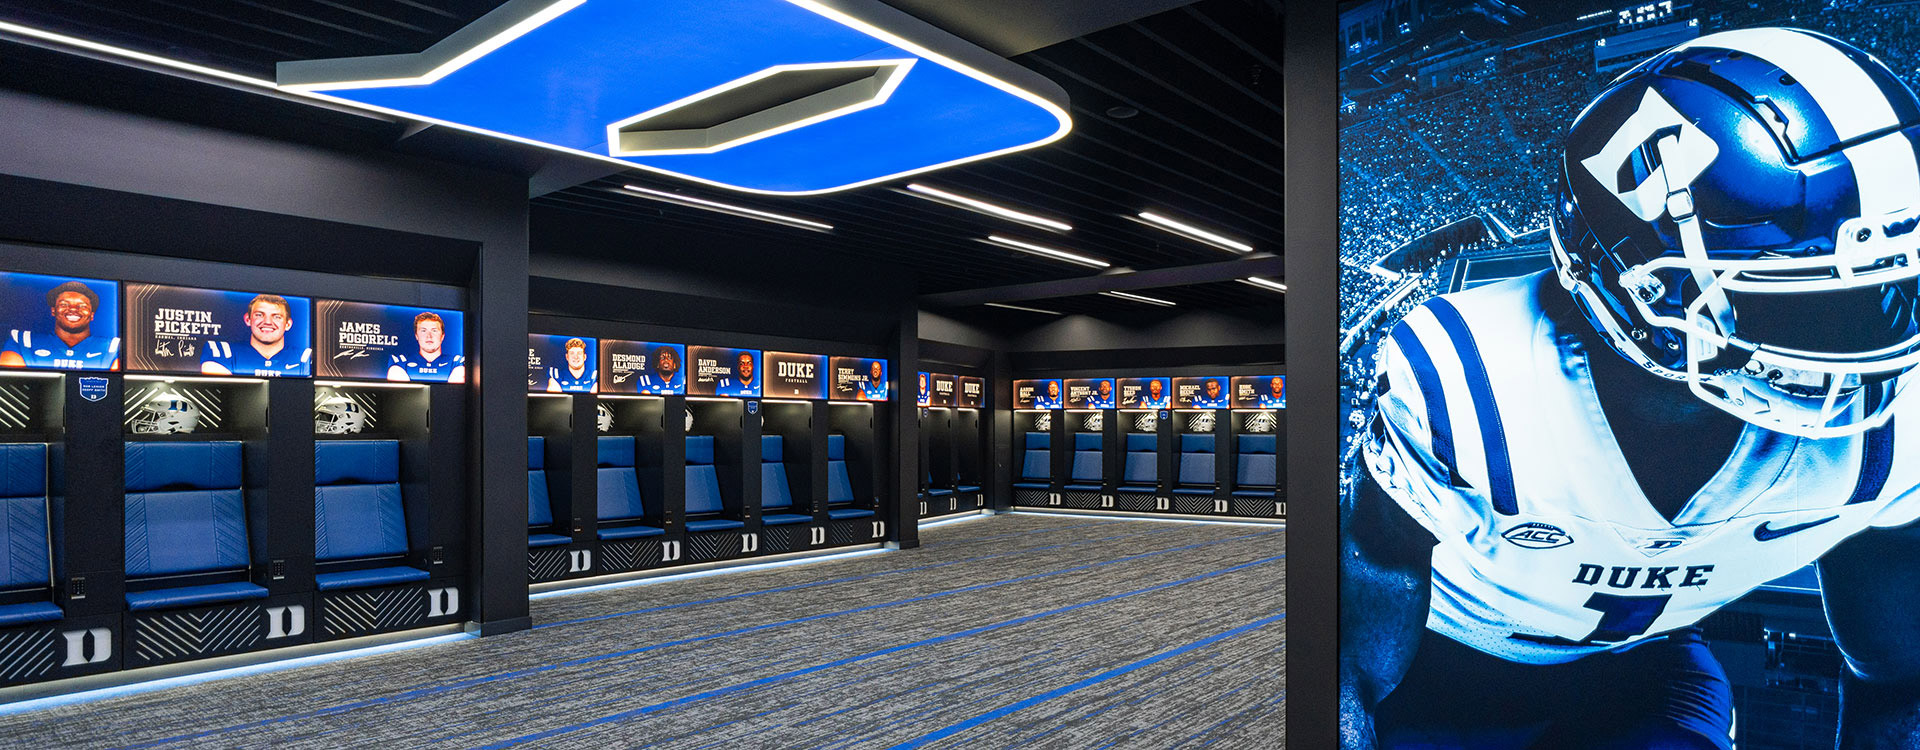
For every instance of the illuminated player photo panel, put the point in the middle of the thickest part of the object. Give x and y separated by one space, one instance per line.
1209 392
643 367
1628 331
59 323
923 394
718 371
1038 394
1090 393
562 364
1145 393
176 329
795 376
859 379
1260 391
973 392
398 343
942 389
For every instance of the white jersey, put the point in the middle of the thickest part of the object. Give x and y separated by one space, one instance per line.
1490 435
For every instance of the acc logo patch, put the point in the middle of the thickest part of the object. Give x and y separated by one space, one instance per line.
1537 536
93 389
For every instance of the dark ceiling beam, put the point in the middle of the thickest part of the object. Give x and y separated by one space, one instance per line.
1258 264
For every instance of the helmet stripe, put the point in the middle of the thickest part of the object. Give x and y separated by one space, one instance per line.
1888 175
1851 100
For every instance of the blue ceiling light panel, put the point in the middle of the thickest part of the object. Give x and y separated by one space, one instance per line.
790 97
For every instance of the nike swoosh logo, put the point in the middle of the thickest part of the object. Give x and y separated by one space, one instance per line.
1765 534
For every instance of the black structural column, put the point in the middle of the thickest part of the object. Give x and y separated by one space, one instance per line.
903 517
1312 211
997 420
497 526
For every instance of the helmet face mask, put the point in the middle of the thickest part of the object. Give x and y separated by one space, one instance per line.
166 414
338 415
1730 243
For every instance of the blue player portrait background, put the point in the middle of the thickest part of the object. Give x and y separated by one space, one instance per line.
174 329
1454 121
720 371
367 341
853 379
555 367
29 324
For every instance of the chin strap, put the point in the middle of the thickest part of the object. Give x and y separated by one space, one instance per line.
1694 246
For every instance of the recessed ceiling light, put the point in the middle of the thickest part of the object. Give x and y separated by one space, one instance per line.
975 204
1122 112
728 208
1268 284
1139 298
1196 233
1004 306
1048 252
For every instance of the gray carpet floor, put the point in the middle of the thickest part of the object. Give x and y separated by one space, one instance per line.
1012 631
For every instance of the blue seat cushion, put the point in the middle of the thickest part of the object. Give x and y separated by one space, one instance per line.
775 490
771 448
23 470
619 494
1039 441
703 489
169 465
356 461
1267 444
1036 464
617 533
783 519
1138 489
1088 466
1196 443
967 488
539 507
358 520
1086 441
1084 487
1193 491
194 531
836 447
1196 468
1256 493
1142 467
193 596
841 514
839 487
536 452
369 577
23 532
1033 485
13 615
938 492
547 540
616 450
714 524
1140 442
700 449
1259 470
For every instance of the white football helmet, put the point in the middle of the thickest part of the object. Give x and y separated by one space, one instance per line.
689 420
165 414
603 418
338 415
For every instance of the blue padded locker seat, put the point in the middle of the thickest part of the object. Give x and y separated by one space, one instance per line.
539 503
1196 465
23 527
1089 468
358 513
932 491
1142 471
1036 465
703 487
618 490
185 514
1259 472
775 491
839 485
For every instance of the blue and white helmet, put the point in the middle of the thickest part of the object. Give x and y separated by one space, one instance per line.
1738 213
166 414
603 418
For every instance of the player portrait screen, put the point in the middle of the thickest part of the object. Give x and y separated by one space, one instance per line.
719 371
562 364
177 329
795 376
642 367
397 343
59 323
1628 319
859 379
1145 393
1260 391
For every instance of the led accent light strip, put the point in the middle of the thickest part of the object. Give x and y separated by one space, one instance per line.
456 62
1048 252
728 208
898 73
360 384
1138 298
1192 232
980 206
190 379
1267 284
1004 306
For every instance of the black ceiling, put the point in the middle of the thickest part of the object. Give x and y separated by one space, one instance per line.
1205 144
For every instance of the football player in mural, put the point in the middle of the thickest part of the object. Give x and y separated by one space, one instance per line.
577 376
1570 470
70 344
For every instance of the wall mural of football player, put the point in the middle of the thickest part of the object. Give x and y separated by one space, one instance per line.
1212 395
1275 396
576 376
1049 398
265 354
875 389
1103 396
1565 472
665 376
429 362
741 381
70 344
1156 393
